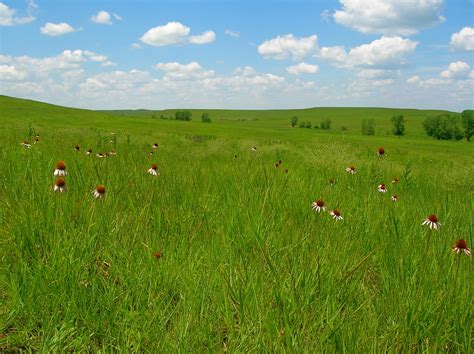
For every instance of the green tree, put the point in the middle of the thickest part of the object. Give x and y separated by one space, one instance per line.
294 121
183 115
467 120
368 127
205 118
326 124
398 125
443 127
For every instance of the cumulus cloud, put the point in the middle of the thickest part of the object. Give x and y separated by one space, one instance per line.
57 29
9 17
102 17
245 71
415 81
463 40
175 33
288 45
389 16
456 70
373 74
388 51
231 33
302 68
10 73
204 38
176 70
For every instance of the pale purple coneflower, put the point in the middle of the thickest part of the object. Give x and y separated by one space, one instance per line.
395 180
461 246
37 140
155 146
153 170
89 152
26 144
59 185
100 155
432 222
331 182
112 153
318 206
394 198
254 149
60 169
336 214
99 191
381 188
380 152
77 148
351 170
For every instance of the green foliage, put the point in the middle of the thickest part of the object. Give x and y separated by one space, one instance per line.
368 127
308 125
183 115
206 118
294 121
398 125
326 124
444 127
467 118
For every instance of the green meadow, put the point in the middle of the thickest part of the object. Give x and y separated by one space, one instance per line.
219 253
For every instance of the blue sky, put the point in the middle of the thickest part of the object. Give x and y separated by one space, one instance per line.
239 54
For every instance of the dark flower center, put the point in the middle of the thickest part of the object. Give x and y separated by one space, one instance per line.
320 203
461 244
433 218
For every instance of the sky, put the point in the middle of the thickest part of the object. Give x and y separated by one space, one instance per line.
244 54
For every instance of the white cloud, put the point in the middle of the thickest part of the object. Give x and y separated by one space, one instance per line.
373 74
174 33
117 17
57 29
9 72
287 45
176 70
405 17
245 71
415 81
135 45
204 38
302 68
388 51
231 33
8 15
102 17
464 39
456 70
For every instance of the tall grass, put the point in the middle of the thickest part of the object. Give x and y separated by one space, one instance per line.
245 264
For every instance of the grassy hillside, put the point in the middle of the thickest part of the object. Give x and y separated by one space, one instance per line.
219 253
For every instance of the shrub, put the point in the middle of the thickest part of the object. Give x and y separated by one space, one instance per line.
326 124
368 127
294 121
308 125
183 115
302 125
205 118
398 125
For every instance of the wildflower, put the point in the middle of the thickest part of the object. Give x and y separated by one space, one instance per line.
157 255
395 180
37 140
318 206
432 222
77 148
59 185
461 246
153 170
336 214
100 155
112 153
394 198
26 144
380 151
111 141
99 191
254 149
235 157
151 153
60 169
277 165
155 146
286 171
381 188
331 182
351 170
89 152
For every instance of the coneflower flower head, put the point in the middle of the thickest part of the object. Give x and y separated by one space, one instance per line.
381 188
432 222
318 206
395 180
351 170
461 246
26 144
331 182
59 185
155 146
153 170
89 152
394 198
112 153
336 214
99 191
100 155
380 151
60 169
254 149
77 148
37 140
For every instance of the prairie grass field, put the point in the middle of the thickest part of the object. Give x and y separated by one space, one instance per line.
223 253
